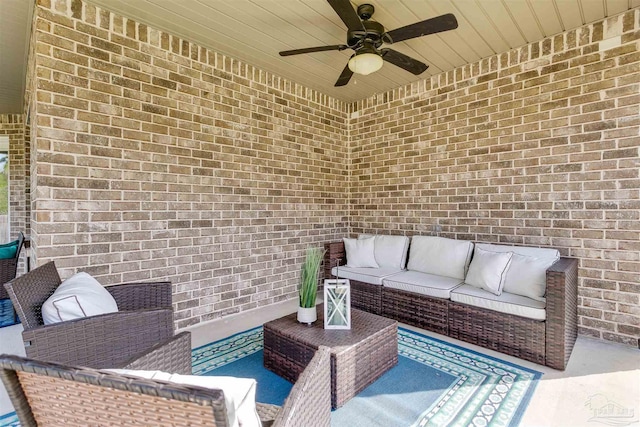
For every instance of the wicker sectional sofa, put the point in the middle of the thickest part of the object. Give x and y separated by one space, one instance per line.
425 282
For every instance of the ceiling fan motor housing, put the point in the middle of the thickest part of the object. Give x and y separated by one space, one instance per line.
372 33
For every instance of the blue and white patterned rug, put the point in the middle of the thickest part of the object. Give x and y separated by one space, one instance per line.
434 384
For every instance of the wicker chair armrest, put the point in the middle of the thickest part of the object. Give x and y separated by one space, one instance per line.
8 269
140 296
562 312
29 291
150 399
309 402
9 377
171 355
334 255
104 341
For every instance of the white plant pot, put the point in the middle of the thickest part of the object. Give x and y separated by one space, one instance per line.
307 315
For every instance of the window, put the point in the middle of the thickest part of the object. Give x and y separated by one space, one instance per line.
4 188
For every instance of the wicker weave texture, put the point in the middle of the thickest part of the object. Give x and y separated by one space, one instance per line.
358 356
105 341
549 342
65 403
57 395
364 296
562 312
309 402
334 255
140 296
47 394
171 355
143 324
29 291
414 309
513 335
8 268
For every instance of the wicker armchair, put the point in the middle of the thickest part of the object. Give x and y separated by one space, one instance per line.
140 335
8 269
94 397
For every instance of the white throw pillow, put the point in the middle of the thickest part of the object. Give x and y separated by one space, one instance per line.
389 251
360 252
79 296
488 270
239 393
440 256
527 276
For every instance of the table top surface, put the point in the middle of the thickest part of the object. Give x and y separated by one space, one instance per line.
363 326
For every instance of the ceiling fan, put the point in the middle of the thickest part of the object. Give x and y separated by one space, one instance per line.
366 37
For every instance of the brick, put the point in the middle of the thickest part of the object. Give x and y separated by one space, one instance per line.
218 175
622 339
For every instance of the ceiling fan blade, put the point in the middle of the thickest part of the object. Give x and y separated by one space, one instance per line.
344 77
423 28
403 61
349 16
313 49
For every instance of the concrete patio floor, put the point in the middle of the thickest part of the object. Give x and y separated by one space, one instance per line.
601 385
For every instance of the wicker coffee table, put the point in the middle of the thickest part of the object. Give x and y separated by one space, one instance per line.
359 356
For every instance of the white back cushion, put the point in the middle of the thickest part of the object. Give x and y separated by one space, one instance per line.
79 296
540 253
390 251
440 256
239 393
488 270
527 275
360 252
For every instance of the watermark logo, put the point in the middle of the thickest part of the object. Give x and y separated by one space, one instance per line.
609 412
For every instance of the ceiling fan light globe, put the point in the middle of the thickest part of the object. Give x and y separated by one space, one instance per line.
365 63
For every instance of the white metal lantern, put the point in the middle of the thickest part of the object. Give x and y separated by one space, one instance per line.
337 304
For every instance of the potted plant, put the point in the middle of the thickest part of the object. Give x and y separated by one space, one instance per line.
309 285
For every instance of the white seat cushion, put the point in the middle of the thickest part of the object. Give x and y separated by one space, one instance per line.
79 296
390 251
373 276
527 274
360 252
422 283
239 393
505 303
440 256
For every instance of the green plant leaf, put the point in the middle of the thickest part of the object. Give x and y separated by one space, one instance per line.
309 277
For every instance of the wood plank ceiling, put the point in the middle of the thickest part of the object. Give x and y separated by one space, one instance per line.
254 31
